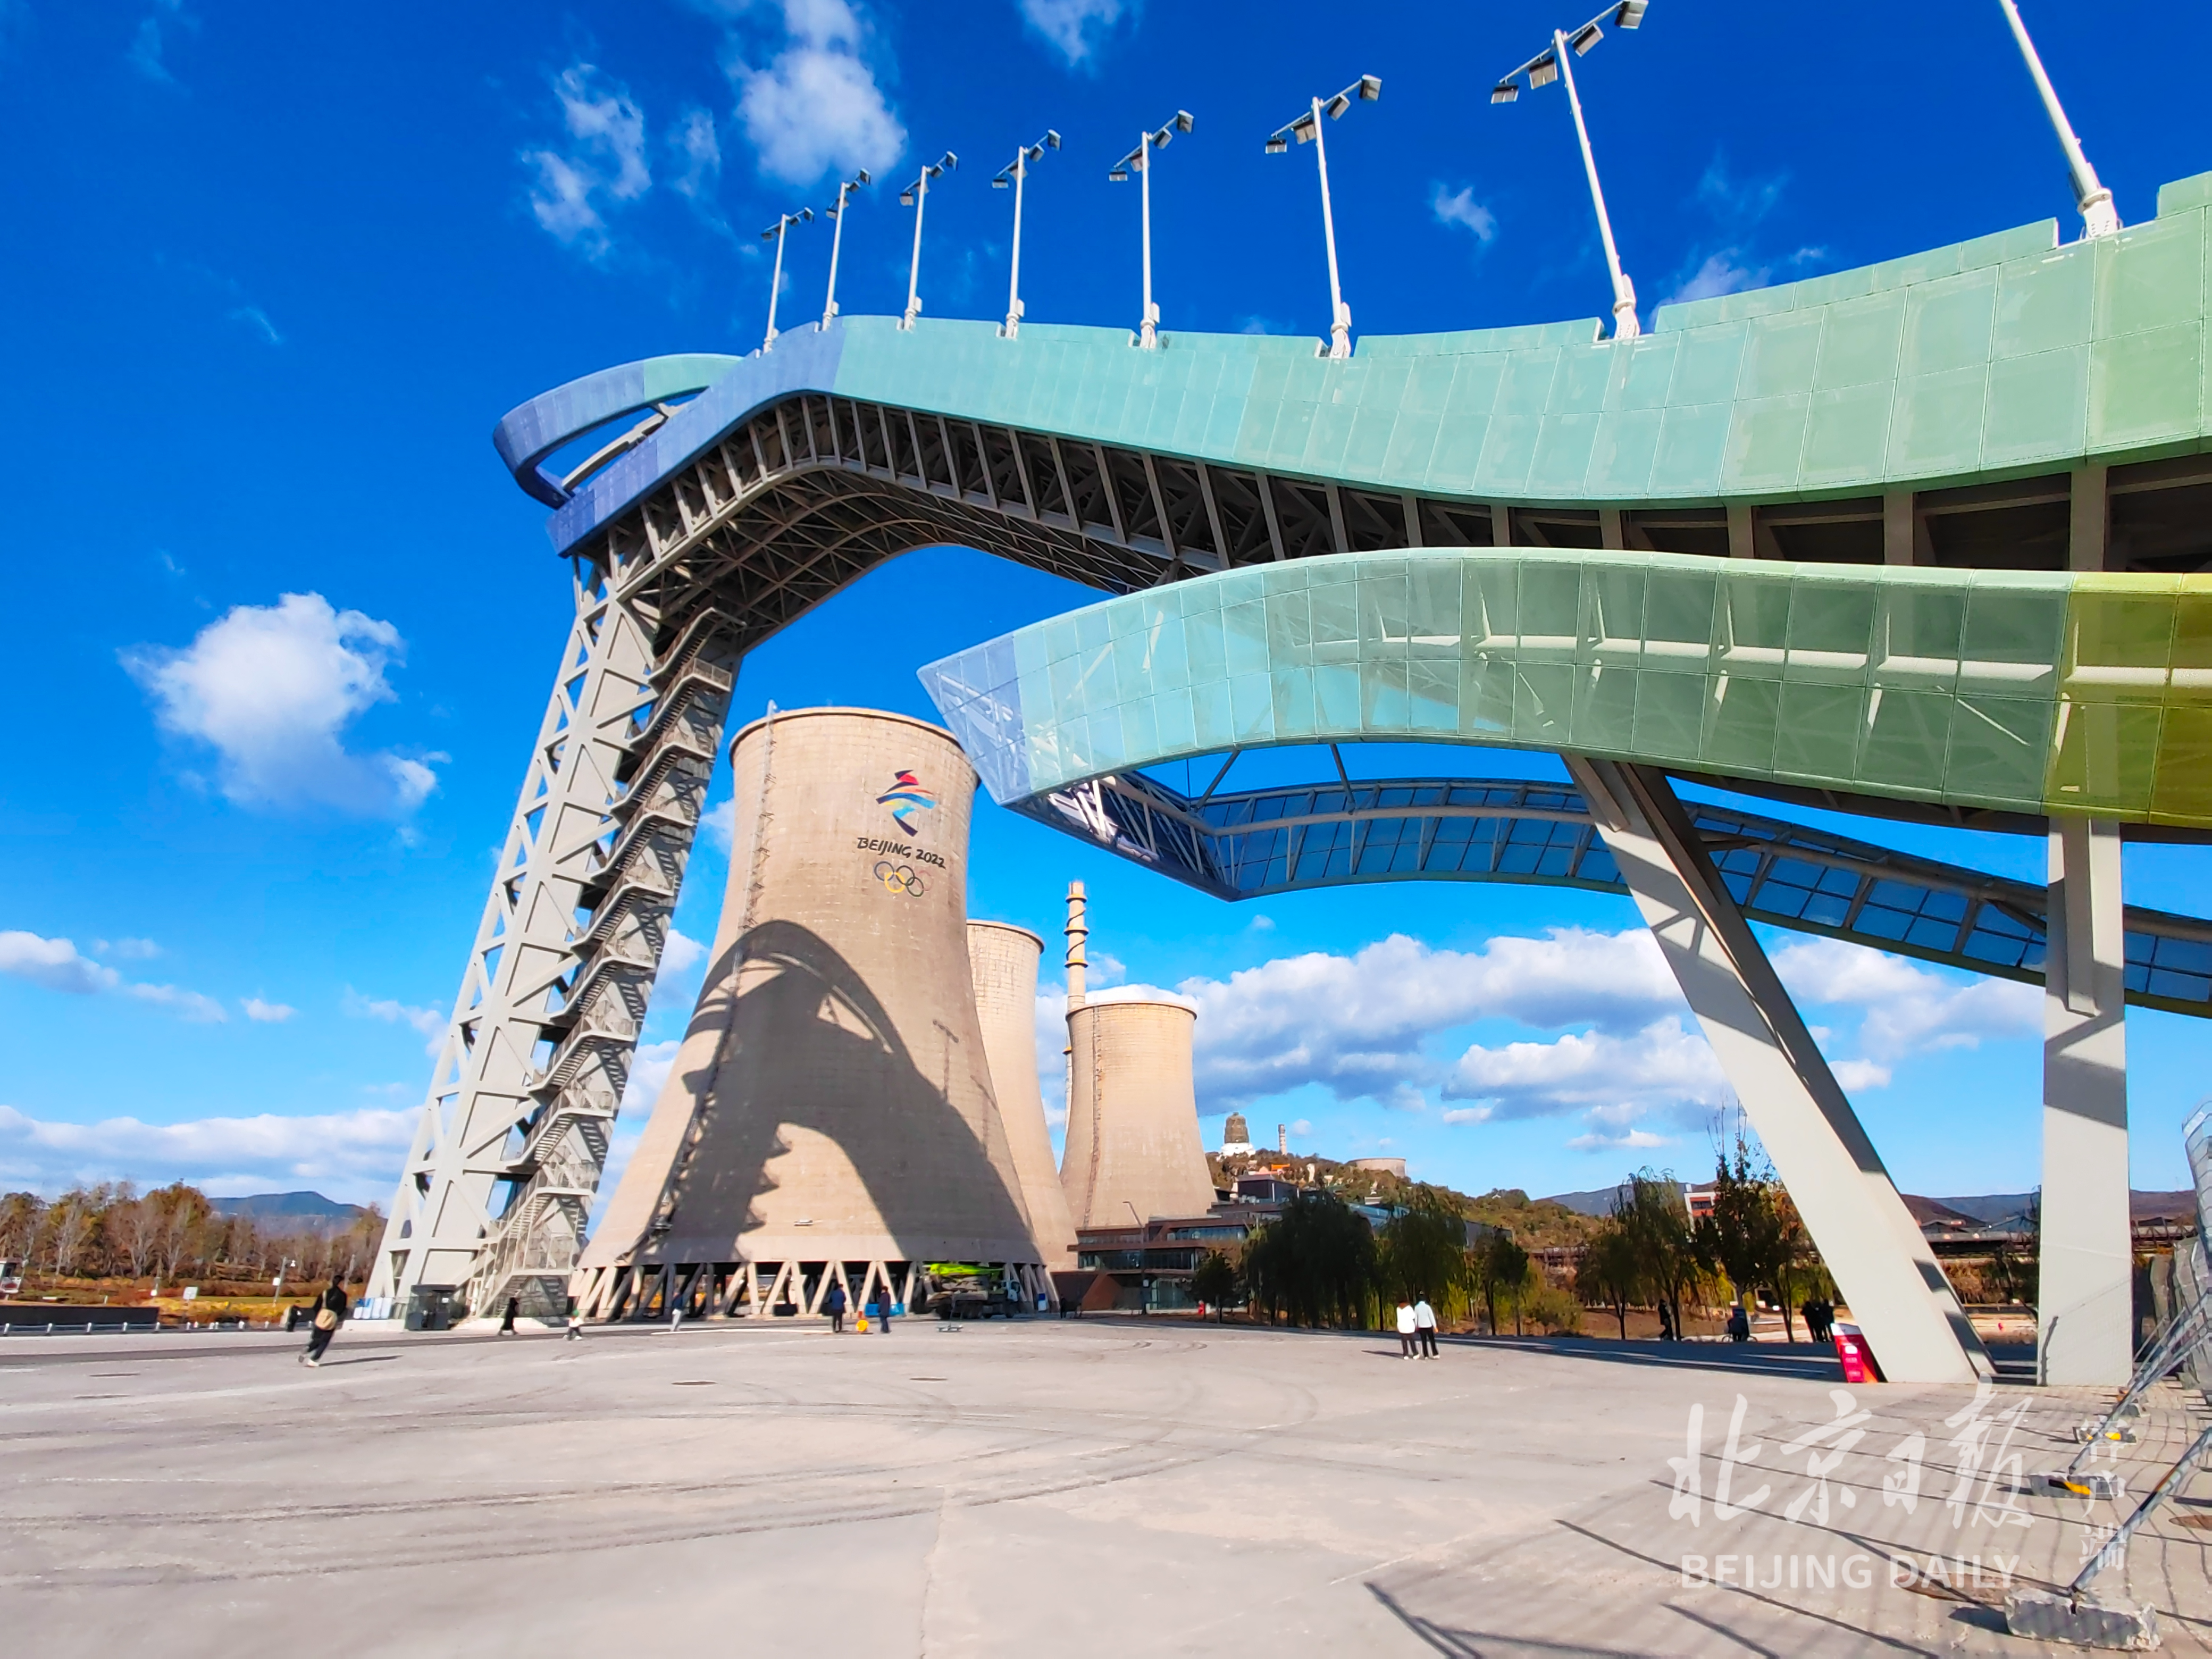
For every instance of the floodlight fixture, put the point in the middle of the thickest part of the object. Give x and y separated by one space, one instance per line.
1554 64
1138 160
2100 217
916 196
775 234
836 213
1014 172
1306 129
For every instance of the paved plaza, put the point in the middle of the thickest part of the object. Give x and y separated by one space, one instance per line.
1094 1486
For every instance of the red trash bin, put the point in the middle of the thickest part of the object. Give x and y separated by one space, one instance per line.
1858 1359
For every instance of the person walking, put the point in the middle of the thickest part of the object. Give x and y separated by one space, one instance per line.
1738 1324
1424 1327
506 1319
576 1320
834 1305
332 1307
1405 1328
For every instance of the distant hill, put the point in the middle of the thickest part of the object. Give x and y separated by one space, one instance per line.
1598 1201
290 1212
1986 1210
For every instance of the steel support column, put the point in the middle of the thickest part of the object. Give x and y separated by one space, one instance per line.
2085 1294
1881 1264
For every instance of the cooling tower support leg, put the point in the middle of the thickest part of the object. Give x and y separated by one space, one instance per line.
1881 1264
2085 1297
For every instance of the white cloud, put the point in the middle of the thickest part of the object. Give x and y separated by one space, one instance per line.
1598 1141
1104 969
268 1014
604 165
130 950
430 1022
1074 28
719 825
57 965
271 689
1856 1074
699 154
1663 1066
1720 274
1459 207
1909 1009
351 1155
147 44
1262 923
681 952
815 105
649 1066
256 319
1355 1024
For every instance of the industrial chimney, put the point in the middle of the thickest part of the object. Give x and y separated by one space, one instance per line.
1003 961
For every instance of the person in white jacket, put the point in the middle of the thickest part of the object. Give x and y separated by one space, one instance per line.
1424 1327
1405 1330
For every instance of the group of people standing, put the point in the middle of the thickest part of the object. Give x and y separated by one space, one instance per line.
1417 1330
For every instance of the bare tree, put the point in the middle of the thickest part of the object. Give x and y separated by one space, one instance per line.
69 1226
185 1211
20 1214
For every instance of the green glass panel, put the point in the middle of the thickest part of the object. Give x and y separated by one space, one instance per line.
1650 370
2192 639
1433 605
1507 452
1132 666
1460 443
1336 696
2011 637
2183 194
1291 577
1526 388
1101 685
1753 629
1605 710
1432 688
1739 722
1490 601
2144 386
1369 441
1996 752
1550 604
1948 324
1610 625
1847 434
1678 614
2046 306
1244 627
1210 711
1692 443
1140 728
1784 354
1936 428
1670 711
2120 644
1065 680
1831 630
1293 689
1384 599
1906 746
1543 702
1285 445
1106 748
1917 634
1327 437
1621 457
2152 276
2039 407
1384 696
1859 346
1706 365
1252 707
1817 735
1060 638
1766 441
2181 787
1579 387
1170 667
1202 639
1413 449
1563 453
1290 631
1030 655
2105 759
1486 694
1178 724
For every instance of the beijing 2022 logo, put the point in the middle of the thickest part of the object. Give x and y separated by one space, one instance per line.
905 798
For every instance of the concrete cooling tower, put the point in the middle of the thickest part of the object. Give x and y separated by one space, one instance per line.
829 1112
1004 962
1132 1146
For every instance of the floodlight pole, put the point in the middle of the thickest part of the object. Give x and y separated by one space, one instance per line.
837 240
2099 216
784 222
1018 173
1339 325
1147 331
1624 325
921 193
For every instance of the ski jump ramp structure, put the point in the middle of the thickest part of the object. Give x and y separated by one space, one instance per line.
1922 541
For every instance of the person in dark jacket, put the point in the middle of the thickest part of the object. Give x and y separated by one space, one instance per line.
506 1319
330 1309
834 1305
1738 1324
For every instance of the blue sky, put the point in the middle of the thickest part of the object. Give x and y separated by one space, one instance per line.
275 270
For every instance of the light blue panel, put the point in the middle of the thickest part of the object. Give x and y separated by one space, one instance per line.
1707 364
1948 324
1649 371
1526 387
1937 429
1766 443
1622 457
1860 341
1692 444
2045 305
1846 434
1562 461
1580 387
1507 451
1781 358
2039 407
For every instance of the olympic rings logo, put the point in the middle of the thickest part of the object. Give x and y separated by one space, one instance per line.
898 879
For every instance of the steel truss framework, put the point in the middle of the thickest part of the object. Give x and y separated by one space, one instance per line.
787 507
736 1290
1251 843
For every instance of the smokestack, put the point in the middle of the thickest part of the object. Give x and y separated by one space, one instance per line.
1004 962
830 1112
1132 1144
1078 931
1282 1140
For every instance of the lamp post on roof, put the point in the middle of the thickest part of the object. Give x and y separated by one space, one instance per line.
1139 160
2098 216
916 196
1013 173
775 234
836 212
1307 129
1553 64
